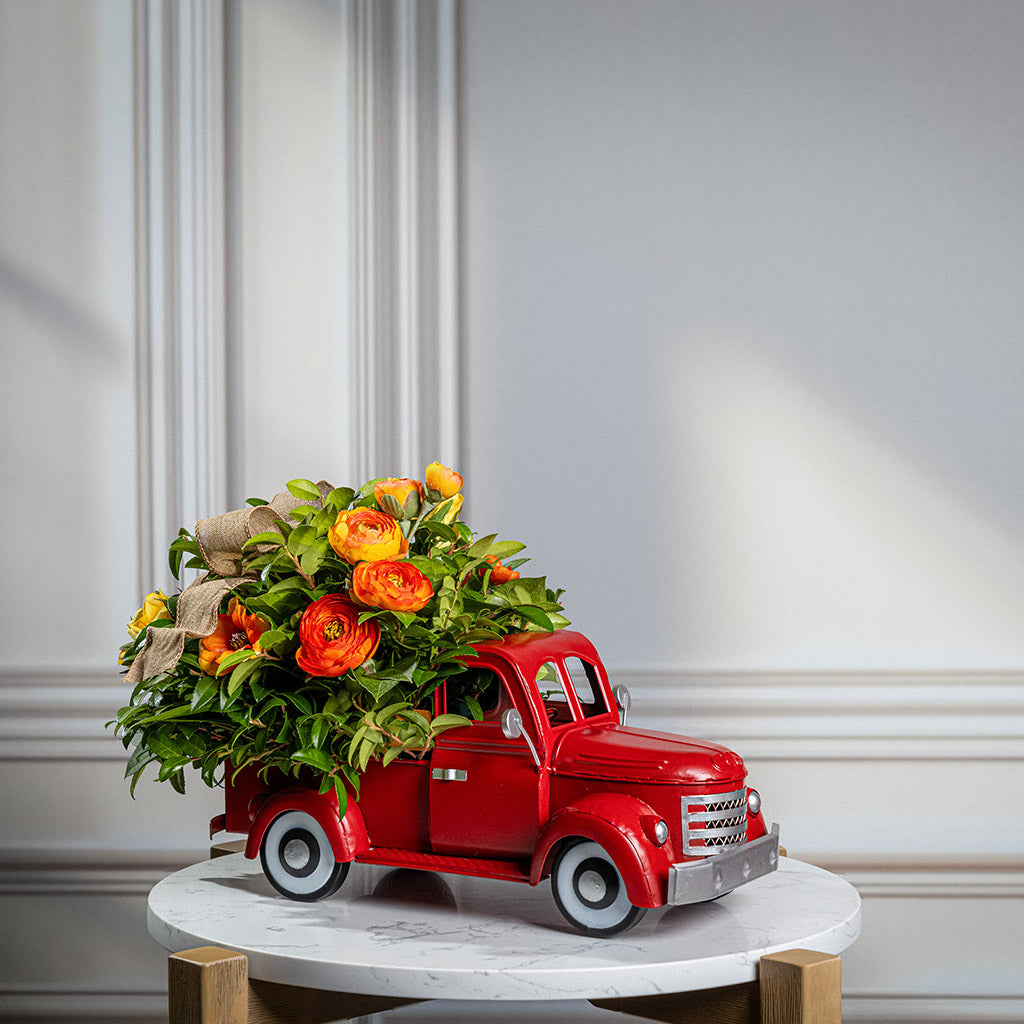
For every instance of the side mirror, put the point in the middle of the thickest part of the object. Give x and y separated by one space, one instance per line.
512 728
512 724
623 700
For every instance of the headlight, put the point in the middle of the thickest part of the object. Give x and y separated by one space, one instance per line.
753 801
661 832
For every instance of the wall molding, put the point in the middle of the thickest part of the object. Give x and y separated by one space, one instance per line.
829 716
404 235
839 715
181 379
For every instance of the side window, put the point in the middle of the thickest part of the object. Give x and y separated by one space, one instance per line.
477 690
556 704
584 681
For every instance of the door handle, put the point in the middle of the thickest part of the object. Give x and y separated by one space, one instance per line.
448 774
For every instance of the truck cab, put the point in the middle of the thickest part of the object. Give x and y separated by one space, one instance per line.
551 783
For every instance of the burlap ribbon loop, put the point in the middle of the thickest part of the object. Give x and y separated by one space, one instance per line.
221 540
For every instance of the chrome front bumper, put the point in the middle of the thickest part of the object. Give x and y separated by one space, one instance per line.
696 881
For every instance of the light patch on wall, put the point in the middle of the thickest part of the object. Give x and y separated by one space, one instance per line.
817 540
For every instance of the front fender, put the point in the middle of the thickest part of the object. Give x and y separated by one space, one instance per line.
616 822
347 836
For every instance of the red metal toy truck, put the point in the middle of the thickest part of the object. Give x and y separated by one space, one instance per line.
550 783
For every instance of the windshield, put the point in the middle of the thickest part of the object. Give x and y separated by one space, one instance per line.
570 691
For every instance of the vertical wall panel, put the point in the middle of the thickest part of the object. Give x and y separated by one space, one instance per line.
743 370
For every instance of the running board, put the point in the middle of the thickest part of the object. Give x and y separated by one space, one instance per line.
505 869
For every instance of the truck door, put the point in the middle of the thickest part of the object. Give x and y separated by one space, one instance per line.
485 798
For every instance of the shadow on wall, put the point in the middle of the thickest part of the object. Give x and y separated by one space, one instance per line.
59 316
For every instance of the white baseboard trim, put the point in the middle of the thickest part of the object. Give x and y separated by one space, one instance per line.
59 1007
889 1009
151 1008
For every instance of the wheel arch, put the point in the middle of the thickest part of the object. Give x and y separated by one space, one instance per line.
614 822
347 835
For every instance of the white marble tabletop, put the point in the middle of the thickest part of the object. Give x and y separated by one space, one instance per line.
416 934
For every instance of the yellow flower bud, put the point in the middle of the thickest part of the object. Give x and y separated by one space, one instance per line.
153 608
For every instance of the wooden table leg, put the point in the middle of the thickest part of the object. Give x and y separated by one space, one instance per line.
210 985
800 986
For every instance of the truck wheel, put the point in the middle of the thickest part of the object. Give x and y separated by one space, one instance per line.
589 891
298 860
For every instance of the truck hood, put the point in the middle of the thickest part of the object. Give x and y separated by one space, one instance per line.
640 755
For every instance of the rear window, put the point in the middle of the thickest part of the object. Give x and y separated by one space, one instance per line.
584 680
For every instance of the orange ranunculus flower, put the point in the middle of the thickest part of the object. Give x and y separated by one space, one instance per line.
331 638
239 630
499 572
396 586
154 607
442 480
400 489
360 534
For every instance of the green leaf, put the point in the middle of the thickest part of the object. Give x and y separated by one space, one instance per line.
234 658
298 701
313 557
390 504
169 714
482 546
342 795
305 490
289 583
441 530
242 672
315 758
317 732
271 537
300 539
448 722
536 616
503 549
340 497
377 688
392 754
206 692
430 567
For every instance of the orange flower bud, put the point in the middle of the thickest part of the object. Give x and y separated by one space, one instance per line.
360 534
239 630
331 638
499 572
396 586
400 489
442 480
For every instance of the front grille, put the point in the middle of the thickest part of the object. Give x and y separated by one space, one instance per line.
712 821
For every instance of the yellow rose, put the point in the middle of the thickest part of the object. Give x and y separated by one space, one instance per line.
364 534
153 608
442 480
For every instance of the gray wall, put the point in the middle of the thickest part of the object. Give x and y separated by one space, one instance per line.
738 302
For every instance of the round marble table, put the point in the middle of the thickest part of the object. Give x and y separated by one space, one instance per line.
413 934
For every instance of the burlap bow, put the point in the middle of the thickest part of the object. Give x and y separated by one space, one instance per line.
221 540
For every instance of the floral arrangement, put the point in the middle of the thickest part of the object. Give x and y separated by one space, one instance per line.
322 624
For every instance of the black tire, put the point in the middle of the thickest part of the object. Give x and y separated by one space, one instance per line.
298 860
589 890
